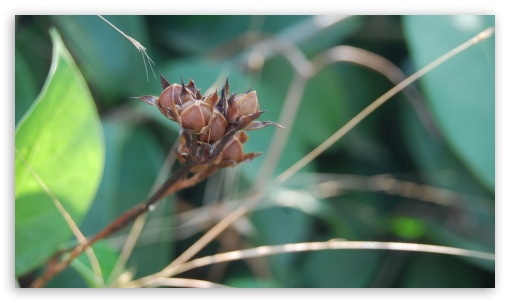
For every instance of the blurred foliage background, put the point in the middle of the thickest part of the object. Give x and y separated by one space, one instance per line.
419 169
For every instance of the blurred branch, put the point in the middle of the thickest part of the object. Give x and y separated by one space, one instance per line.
330 185
262 251
377 63
181 282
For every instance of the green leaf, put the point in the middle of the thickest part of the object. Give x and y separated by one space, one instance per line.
408 228
477 242
460 92
340 268
25 87
281 225
432 270
323 109
252 282
60 141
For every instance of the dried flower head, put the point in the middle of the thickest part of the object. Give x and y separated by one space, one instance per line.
212 128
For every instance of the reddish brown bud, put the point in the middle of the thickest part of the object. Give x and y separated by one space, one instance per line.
233 150
215 130
186 95
191 87
243 105
170 95
248 104
212 99
195 115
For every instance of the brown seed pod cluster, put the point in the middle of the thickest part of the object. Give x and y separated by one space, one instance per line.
212 127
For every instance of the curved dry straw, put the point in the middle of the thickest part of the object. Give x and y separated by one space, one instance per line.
155 280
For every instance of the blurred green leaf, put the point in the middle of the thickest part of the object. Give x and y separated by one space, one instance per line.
431 271
279 225
323 110
208 75
24 86
60 141
250 282
316 33
185 34
475 237
111 64
460 92
408 228
472 226
365 149
437 164
32 33
68 278
345 269
104 207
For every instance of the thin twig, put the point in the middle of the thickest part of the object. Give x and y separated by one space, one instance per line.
262 251
322 186
181 282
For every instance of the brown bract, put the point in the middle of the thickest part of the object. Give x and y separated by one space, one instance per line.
212 127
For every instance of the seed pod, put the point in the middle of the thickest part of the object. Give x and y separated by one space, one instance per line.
212 99
215 129
233 110
233 150
243 105
192 88
170 95
248 104
187 93
195 115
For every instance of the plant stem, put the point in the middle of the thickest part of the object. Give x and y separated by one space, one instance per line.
169 187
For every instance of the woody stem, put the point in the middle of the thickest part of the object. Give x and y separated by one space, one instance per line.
122 221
